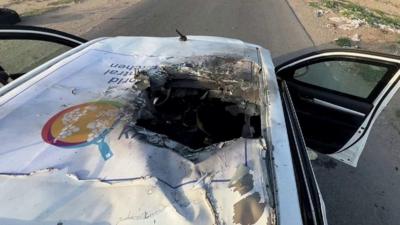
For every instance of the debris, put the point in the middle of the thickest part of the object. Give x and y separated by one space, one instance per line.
358 23
356 38
142 82
179 99
311 154
185 118
347 24
320 13
388 28
331 25
339 19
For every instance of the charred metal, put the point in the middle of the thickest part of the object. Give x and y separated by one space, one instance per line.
200 102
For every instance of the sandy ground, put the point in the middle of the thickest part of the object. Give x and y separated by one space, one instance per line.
325 26
388 6
32 7
72 16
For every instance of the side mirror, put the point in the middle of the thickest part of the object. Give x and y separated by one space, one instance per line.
9 17
3 77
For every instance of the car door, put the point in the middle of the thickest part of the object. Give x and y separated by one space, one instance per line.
338 95
23 48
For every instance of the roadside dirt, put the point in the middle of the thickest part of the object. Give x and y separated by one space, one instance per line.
338 26
387 6
71 16
38 7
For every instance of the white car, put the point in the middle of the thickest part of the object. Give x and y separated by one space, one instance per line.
189 130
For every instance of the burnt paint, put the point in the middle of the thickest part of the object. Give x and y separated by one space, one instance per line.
243 185
248 210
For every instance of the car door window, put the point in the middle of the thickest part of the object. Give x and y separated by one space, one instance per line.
349 77
20 56
22 48
338 95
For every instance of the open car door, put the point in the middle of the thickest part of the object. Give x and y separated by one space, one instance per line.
338 95
23 48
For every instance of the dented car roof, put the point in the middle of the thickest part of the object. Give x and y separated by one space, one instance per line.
138 131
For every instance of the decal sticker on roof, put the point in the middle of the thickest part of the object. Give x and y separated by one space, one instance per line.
83 125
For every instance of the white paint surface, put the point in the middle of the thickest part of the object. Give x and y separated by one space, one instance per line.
140 183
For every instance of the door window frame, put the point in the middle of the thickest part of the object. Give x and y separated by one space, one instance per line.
18 32
351 151
40 34
288 74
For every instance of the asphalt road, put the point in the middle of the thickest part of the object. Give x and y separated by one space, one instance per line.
365 195
269 23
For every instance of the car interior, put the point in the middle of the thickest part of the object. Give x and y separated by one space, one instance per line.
333 97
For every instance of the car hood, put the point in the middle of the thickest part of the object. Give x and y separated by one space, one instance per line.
123 131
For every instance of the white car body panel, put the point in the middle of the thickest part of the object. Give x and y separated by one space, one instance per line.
135 182
288 213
